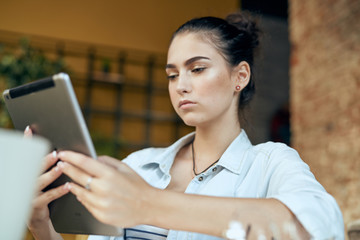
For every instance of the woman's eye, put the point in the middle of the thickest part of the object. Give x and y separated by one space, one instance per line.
171 77
198 69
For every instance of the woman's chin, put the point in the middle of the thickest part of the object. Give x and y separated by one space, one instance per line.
192 122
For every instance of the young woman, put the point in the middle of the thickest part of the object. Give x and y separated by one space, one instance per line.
207 179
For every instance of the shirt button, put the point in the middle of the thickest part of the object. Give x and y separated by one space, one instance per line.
214 169
200 179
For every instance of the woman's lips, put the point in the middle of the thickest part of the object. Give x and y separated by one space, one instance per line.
185 104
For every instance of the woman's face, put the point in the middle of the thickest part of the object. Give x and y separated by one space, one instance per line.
201 83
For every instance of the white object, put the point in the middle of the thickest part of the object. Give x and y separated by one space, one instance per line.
20 165
235 231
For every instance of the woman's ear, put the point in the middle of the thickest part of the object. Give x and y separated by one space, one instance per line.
241 76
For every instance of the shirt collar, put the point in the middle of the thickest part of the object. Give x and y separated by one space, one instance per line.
232 159
234 156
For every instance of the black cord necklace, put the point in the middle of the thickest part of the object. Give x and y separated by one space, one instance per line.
193 159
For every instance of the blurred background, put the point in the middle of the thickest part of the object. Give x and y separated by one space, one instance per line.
307 74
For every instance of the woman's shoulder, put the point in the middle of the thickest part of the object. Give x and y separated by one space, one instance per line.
272 147
276 152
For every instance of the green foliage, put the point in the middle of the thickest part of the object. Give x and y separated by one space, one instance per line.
106 145
22 65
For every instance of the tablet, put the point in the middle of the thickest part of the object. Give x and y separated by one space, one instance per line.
49 106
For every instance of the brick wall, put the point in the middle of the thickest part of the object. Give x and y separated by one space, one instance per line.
325 95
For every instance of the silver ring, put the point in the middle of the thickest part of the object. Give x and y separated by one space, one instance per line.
87 185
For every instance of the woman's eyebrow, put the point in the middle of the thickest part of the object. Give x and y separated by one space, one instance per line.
187 62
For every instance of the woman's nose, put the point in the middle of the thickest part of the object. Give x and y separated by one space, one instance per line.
184 84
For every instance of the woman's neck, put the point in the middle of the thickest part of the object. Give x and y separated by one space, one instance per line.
211 142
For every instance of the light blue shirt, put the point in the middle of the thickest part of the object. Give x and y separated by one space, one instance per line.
268 170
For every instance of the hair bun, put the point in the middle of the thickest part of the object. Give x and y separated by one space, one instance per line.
247 24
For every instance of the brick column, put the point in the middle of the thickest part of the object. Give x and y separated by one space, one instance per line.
325 95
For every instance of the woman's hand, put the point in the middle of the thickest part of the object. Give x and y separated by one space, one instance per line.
39 223
113 192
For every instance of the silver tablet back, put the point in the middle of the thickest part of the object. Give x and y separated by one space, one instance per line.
49 106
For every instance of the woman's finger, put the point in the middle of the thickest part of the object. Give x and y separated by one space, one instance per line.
88 164
86 197
77 175
28 132
47 197
47 178
98 206
49 160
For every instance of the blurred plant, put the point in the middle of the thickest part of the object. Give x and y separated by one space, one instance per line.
106 145
106 65
22 65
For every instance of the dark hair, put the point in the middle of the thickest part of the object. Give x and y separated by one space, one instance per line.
236 37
